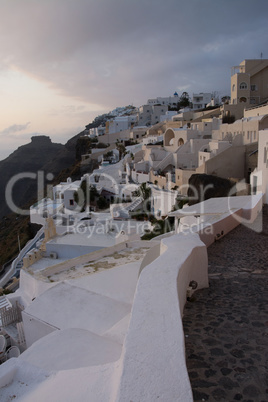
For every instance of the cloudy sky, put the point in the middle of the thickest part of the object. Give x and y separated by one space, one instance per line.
63 62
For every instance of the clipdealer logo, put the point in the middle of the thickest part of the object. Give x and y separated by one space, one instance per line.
148 202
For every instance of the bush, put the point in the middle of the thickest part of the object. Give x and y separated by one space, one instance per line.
160 227
102 203
101 145
228 119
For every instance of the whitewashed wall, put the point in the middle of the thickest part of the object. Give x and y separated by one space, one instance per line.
153 361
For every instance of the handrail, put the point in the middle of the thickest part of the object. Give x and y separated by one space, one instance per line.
167 159
5 265
20 256
27 247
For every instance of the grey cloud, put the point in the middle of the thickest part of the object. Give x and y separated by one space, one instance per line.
122 51
68 110
14 129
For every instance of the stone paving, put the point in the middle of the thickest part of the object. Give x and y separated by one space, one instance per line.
226 325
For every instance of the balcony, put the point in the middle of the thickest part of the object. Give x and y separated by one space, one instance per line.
237 70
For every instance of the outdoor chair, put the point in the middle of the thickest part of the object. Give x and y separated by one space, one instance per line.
12 352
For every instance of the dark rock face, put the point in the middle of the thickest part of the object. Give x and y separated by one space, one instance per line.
41 155
203 186
41 140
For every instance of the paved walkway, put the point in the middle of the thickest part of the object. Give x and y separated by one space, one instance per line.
226 325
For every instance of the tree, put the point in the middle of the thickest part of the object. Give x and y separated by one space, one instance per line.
145 194
81 196
228 119
185 100
145 191
121 148
102 203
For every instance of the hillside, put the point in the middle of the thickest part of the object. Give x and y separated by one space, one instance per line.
39 155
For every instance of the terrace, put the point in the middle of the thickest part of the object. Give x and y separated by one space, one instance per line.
137 305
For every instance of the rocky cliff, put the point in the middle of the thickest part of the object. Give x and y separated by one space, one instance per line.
23 165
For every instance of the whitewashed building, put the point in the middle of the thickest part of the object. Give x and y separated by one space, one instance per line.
201 100
259 178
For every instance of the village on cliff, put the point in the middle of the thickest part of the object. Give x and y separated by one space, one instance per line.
97 310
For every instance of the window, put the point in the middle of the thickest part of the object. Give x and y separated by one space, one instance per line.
243 85
233 87
71 202
265 155
255 182
253 87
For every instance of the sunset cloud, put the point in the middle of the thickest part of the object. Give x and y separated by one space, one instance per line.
117 52
108 53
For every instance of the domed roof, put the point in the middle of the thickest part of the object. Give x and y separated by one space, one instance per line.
176 94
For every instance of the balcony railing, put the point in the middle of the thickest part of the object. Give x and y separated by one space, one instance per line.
237 70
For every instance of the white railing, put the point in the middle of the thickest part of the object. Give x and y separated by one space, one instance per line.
9 315
168 159
134 204
20 256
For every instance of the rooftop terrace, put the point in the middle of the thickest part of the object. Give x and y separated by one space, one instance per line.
137 304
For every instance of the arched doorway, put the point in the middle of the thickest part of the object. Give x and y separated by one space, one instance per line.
263 123
169 137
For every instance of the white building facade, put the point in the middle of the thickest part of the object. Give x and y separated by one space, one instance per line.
201 100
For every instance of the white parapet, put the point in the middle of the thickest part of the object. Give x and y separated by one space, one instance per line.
152 364
153 361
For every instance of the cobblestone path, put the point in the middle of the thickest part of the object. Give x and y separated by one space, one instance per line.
226 325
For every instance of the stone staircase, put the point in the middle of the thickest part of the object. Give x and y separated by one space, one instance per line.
168 160
123 211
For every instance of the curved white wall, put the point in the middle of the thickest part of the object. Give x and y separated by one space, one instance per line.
153 361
